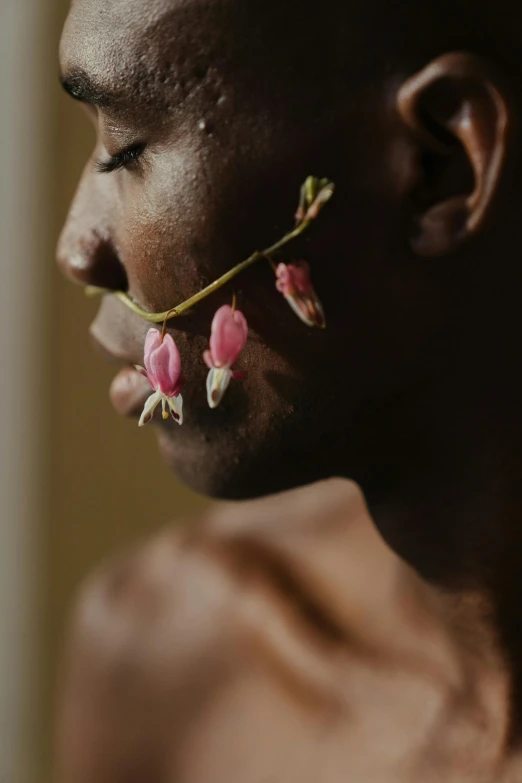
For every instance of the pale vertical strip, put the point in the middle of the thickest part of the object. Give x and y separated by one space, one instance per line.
24 154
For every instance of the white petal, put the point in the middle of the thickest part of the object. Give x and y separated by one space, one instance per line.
298 311
149 408
176 407
298 305
217 384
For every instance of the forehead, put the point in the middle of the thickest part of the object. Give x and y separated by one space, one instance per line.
118 39
154 53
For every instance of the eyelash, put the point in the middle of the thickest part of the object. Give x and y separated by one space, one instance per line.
122 160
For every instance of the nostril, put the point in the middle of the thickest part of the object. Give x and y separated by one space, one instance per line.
94 262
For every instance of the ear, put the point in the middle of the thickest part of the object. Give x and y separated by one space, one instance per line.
459 113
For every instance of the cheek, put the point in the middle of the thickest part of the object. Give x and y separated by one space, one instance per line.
196 212
158 235
202 207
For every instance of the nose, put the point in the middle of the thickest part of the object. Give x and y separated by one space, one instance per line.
86 251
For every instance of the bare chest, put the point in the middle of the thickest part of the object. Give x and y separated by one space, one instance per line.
385 727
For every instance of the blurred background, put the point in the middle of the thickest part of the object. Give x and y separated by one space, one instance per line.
76 483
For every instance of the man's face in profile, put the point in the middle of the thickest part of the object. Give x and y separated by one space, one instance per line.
209 115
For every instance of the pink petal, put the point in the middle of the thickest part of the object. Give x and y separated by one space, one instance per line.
152 341
284 280
164 366
228 336
300 277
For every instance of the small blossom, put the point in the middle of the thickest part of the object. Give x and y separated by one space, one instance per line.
314 195
227 339
293 281
163 372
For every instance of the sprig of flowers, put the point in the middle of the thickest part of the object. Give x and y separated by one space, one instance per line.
314 194
229 328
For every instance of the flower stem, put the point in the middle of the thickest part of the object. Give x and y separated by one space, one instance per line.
221 281
164 330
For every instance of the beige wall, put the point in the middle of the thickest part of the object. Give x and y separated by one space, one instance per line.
25 88
107 484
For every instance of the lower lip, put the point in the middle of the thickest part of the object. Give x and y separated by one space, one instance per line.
128 392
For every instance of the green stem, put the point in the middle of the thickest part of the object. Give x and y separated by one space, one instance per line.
221 281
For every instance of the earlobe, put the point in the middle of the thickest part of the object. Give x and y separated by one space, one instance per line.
456 99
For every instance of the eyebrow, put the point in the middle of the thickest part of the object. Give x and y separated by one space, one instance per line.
82 87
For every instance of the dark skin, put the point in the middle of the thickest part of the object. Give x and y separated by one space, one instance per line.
413 390
213 196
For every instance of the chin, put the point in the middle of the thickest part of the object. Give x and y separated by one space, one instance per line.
197 468
222 466
252 444
212 468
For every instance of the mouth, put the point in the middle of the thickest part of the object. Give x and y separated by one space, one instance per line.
128 390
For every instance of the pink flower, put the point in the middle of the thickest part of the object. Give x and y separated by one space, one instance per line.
227 340
293 281
163 372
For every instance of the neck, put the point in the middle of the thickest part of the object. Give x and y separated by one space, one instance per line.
451 503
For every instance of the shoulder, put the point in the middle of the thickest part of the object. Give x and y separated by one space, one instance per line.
190 592
252 588
148 633
183 580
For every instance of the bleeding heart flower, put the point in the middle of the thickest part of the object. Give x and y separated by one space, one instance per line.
163 372
293 281
227 339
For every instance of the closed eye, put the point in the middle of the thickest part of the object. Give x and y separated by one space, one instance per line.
121 160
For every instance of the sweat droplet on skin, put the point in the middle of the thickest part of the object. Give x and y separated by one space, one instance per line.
205 127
